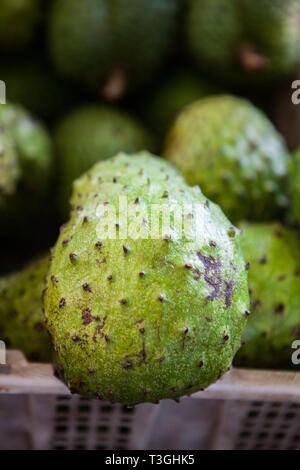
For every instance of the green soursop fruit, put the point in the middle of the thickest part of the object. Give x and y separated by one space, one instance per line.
178 90
232 150
151 313
18 22
111 41
21 311
274 282
92 133
295 184
25 164
252 41
32 83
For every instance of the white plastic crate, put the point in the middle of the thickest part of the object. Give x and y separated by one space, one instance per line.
245 409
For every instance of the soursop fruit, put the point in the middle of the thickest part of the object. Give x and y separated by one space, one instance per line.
18 22
232 150
295 184
21 311
149 313
274 282
245 41
26 158
111 41
173 94
89 134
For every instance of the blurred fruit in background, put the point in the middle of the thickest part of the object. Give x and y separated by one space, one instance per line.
31 82
19 20
245 41
26 162
232 150
111 45
274 283
21 311
89 134
179 89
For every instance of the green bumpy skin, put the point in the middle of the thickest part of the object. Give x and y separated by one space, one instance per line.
21 311
138 320
92 133
274 282
18 22
295 184
245 41
25 164
89 40
232 150
32 83
176 92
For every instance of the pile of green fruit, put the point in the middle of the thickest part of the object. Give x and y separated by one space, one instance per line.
130 308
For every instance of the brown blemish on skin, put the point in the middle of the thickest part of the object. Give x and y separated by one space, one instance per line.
279 309
86 316
263 259
212 276
62 302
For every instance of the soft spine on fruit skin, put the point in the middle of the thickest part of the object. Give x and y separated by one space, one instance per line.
139 319
21 311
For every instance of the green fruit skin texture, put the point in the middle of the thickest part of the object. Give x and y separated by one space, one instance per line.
87 40
18 22
217 29
26 159
232 150
176 92
295 184
21 311
274 282
89 134
139 320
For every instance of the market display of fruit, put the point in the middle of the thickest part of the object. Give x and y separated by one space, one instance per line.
150 289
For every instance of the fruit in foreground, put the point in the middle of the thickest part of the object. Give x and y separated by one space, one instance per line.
274 282
134 318
21 311
245 41
232 150
89 134
25 164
